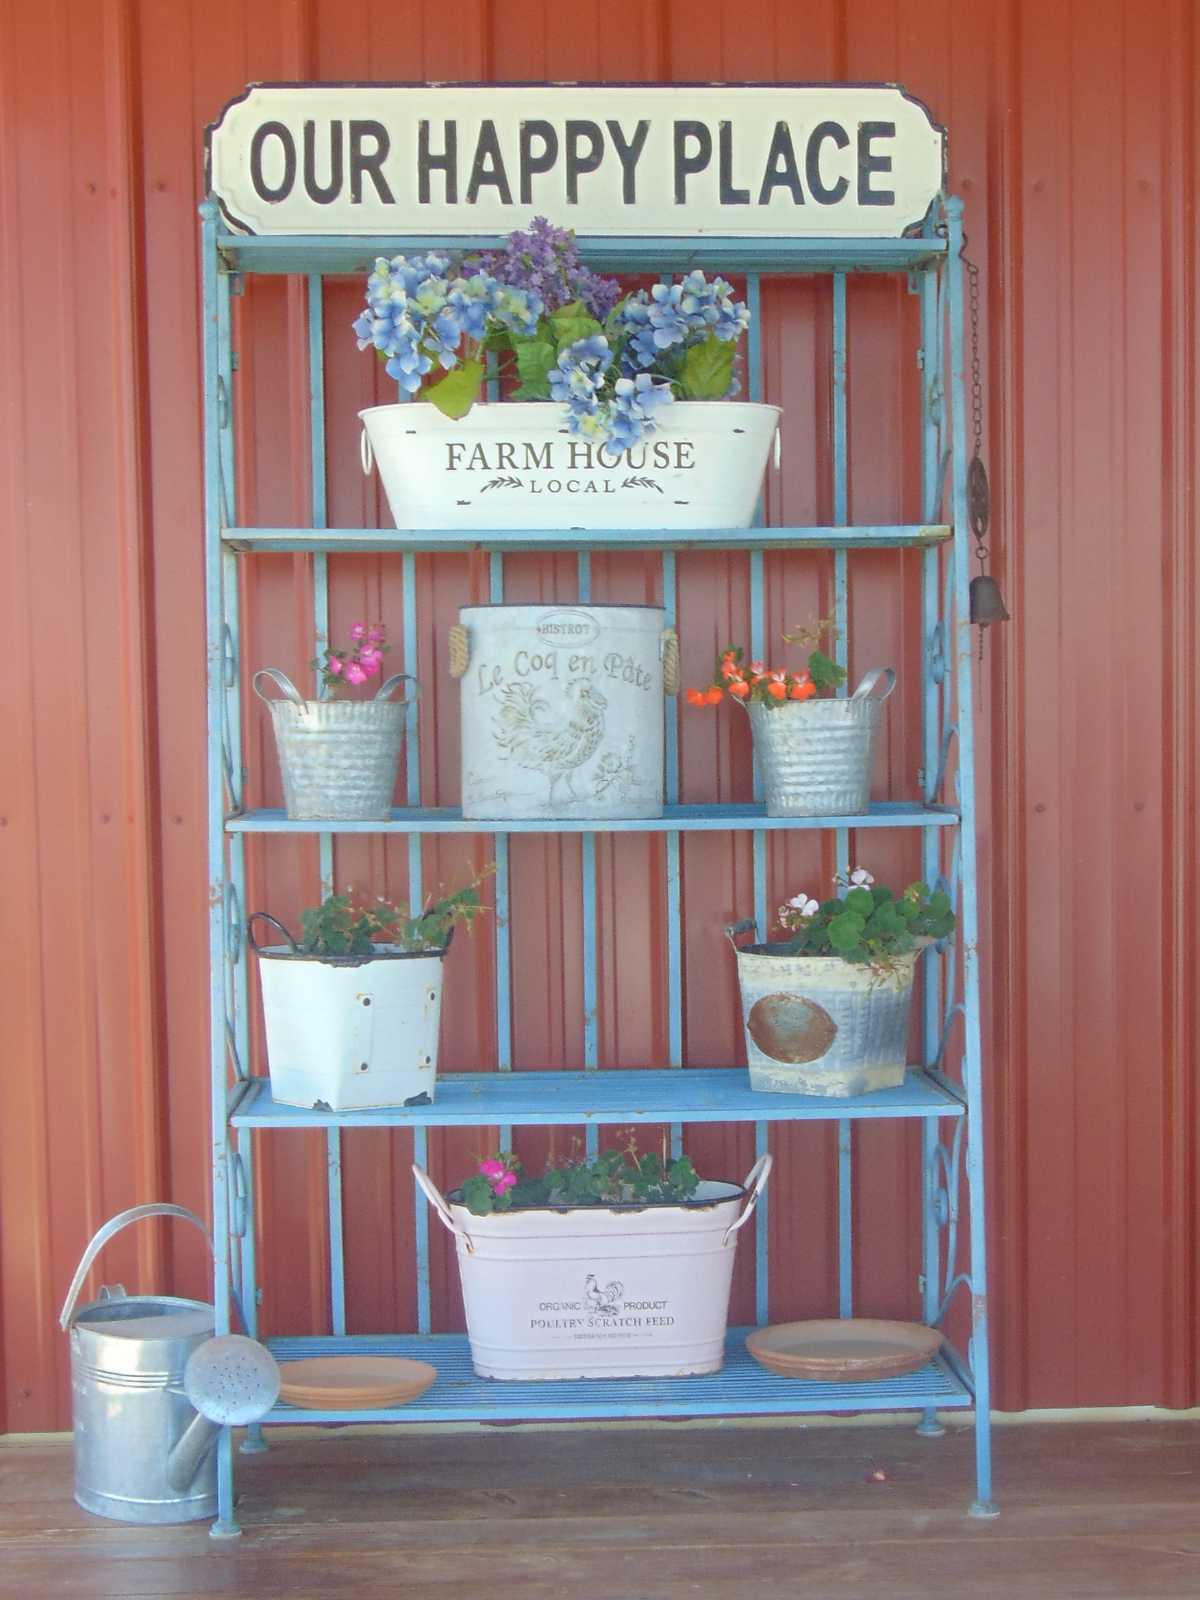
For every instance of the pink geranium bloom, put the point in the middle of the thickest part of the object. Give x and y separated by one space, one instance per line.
335 664
354 673
358 631
493 1169
504 1184
370 658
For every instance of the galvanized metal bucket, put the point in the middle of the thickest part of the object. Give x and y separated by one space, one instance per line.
350 1034
338 757
135 1458
597 1291
820 1025
815 756
562 710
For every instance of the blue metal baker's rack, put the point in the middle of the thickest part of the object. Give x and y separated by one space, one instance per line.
945 1103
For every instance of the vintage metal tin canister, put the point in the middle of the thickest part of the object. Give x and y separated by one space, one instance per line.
562 710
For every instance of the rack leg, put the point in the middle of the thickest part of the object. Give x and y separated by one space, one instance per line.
255 1441
225 1527
929 1427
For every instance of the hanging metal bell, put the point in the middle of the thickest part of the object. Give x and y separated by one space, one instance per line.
986 601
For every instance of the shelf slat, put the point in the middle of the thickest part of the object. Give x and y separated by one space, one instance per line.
683 819
741 1388
382 540
612 1097
340 253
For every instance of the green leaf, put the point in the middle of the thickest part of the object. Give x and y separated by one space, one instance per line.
536 358
860 901
457 392
707 370
477 1196
845 931
572 323
824 671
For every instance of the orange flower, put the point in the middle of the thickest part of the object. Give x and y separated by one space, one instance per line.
777 691
803 691
715 695
740 689
696 697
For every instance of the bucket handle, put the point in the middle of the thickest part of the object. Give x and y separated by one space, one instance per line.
438 1201
281 681
256 916
754 1183
364 451
734 930
669 650
389 687
870 683
114 1225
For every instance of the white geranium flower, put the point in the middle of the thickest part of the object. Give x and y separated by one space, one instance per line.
860 878
803 906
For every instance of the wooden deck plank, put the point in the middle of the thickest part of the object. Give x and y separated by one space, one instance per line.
1089 1510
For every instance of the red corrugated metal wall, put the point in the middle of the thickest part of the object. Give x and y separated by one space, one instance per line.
1073 140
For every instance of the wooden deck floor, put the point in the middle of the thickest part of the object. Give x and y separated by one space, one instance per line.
1092 1509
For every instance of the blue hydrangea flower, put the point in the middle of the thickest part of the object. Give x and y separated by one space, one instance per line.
631 412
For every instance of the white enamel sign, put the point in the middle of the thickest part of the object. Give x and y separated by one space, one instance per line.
827 161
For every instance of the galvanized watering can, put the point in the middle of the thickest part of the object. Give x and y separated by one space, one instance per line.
151 1388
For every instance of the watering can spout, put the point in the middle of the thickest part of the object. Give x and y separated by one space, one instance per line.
230 1380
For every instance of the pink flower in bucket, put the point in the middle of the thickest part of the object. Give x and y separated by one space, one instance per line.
354 666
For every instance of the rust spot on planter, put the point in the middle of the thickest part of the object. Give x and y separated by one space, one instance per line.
787 1027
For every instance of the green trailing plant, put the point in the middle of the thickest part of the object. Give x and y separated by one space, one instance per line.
867 923
614 1177
340 929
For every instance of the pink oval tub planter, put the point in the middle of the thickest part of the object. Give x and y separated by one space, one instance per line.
601 1289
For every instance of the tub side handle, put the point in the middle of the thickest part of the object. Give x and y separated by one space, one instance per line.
754 1184
438 1201
364 451
735 930
389 688
281 681
670 661
458 643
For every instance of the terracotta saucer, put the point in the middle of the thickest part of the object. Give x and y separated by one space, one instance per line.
353 1383
853 1348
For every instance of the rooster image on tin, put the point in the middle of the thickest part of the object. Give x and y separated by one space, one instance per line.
531 735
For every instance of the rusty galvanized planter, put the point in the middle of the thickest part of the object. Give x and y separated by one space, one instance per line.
815 756
820 1025
338 758
562 710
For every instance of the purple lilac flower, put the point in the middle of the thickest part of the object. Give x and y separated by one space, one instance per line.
545 262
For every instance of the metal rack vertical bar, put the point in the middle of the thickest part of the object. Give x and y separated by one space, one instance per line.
503 928
412 795
224 1526
968 931
841 653
320 587
758 628
671 846
588 911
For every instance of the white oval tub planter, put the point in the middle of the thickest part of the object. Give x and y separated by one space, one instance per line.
600 1291
513 464
350 1033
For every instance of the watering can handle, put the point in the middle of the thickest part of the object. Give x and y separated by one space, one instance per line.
871 680
114 1225
389 687
753 1183
438 1201
281 681
734 930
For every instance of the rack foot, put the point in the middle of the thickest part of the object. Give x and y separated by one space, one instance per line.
224 1530
984 1508
929 1427
254 1443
